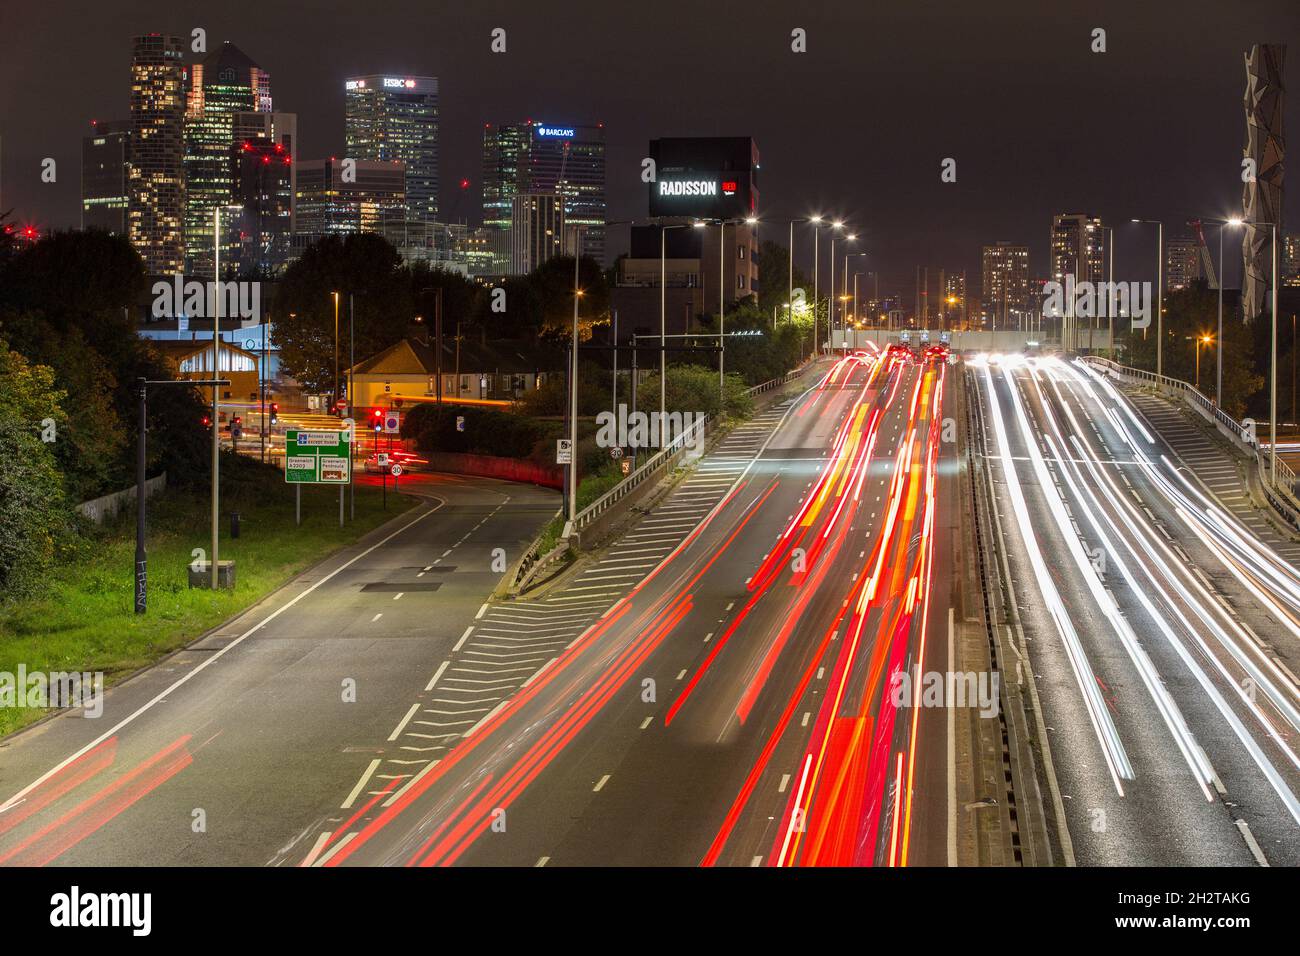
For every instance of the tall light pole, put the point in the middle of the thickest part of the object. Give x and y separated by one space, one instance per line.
817 232
663 320
216 389
573 380
845 297
335 397
830 314
1218 373
1160 292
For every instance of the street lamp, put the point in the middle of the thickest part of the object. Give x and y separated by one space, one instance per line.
1200 340
845 284
663 318
830 315
1160 291
1218 375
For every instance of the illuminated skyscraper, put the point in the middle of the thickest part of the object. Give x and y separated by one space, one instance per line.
156 210
537 230
226 84
1004 291
105 177
1182 262
327 203
538 157
395 118
1078 248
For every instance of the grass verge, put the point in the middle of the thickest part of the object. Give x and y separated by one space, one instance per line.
83 619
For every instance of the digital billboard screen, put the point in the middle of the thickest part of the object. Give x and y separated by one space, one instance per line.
704 177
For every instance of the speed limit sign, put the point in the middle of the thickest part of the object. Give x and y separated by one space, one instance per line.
616 453
397 471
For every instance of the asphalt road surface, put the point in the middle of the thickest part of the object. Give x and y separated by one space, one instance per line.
1162 634
224 752
736 707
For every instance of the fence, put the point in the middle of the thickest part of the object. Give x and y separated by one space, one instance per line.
107 506
1283 484
534 562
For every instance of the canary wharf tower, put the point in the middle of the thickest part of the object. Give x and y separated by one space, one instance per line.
393 117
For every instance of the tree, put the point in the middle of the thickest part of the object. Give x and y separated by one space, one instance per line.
31 492
693 388
552 282
88 280
363 264
774 279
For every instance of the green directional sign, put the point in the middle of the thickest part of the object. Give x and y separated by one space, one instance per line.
317 457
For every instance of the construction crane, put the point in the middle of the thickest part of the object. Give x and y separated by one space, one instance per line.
1207 265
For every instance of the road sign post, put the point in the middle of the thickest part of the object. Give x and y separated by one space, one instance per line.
318 458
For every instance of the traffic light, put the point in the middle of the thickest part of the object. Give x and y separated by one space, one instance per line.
207 422
275 412
377 419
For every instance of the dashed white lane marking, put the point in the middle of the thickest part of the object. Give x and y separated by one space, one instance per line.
376 617
398 595
600 783
436 674
785 782
401 725
542 861
365 778
469 630
481 611
646 723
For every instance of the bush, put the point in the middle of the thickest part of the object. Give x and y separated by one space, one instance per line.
488 431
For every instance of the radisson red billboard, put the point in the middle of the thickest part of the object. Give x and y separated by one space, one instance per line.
704 177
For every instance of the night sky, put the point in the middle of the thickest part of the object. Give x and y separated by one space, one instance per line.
857 126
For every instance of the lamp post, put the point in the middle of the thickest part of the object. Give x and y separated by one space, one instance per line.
1218 372
830 311
1199 340
1160 291
573 378
141 560
1272 400
817 233
335 397
663 318
845 297
216 389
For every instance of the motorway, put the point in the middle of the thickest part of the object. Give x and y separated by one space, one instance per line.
1162 635
735 708
744 675
227 750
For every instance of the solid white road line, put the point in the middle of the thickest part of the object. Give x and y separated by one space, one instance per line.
207 662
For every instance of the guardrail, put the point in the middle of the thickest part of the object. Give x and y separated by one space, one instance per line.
1283 484
659 462
534 562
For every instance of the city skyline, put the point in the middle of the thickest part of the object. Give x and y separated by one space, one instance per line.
1099 154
